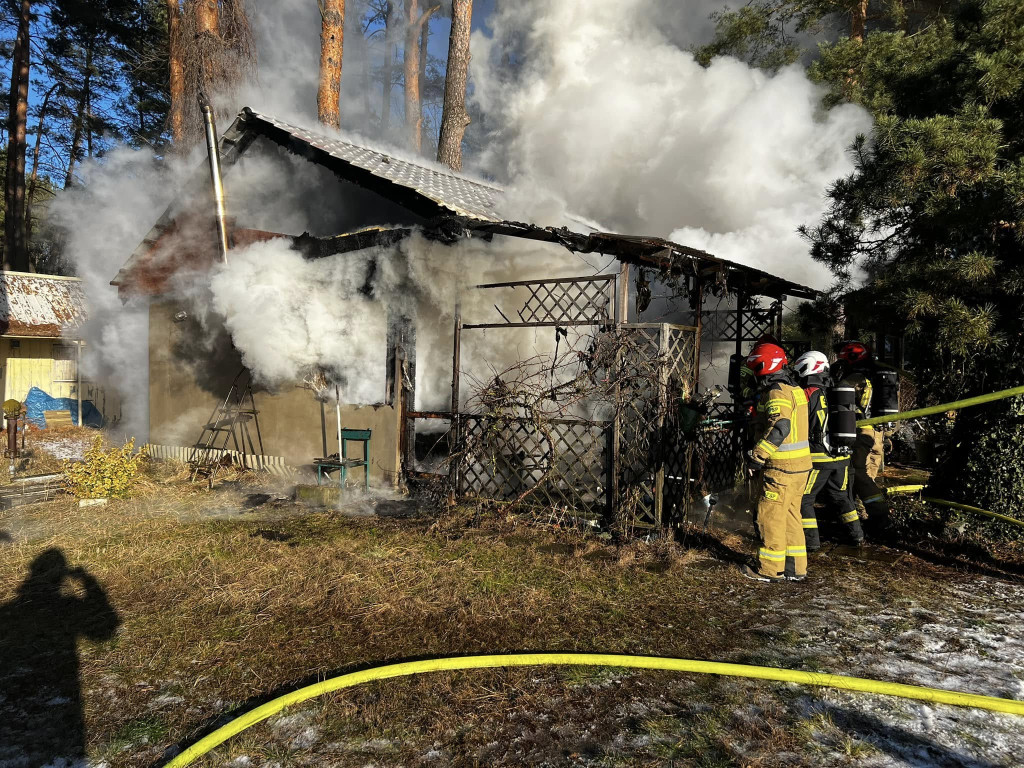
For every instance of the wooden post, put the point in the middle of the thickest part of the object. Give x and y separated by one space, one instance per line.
622 290
740 299
738 435
615 436
78 376
659 471
697 303
453 470
408 342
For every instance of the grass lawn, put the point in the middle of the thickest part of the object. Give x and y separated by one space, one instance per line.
224 598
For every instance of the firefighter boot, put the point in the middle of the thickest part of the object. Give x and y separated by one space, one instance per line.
836 493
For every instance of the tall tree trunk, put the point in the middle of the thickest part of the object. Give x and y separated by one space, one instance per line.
34 177
858 20
208 17
207 23
177 72
389 61
455 119
332 46
88 103
413 95
424 54
16 250
80 118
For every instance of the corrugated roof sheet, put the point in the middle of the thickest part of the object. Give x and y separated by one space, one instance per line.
41 306
455 192
461 195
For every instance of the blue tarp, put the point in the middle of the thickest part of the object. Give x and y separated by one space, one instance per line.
38 402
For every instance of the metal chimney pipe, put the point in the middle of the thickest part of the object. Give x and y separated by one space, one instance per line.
218 184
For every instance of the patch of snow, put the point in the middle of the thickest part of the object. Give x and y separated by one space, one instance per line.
69 448
306 738
972 640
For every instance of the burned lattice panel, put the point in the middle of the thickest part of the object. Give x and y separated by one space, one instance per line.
560 465
565 302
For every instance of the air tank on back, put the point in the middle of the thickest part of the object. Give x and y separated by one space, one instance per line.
885 394
842 418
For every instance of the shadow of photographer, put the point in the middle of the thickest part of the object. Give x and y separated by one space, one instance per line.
41 714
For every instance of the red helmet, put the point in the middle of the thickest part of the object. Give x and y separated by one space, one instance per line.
854 353
766 359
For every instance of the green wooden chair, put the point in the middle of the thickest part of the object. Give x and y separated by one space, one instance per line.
344 464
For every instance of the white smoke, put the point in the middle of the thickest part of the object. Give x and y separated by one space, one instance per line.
104 219
287 315
602 113
619 120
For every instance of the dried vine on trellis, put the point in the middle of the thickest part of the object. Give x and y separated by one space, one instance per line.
587 379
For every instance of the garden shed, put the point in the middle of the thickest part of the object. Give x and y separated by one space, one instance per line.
389 198
40 342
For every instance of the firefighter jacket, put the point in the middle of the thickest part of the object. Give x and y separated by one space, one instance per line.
861 383
817 423
781 426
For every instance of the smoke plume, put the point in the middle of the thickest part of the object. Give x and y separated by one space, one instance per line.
613 115
589 106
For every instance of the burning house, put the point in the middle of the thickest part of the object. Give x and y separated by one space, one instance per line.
509 372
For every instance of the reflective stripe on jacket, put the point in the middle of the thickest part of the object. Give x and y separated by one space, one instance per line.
781 426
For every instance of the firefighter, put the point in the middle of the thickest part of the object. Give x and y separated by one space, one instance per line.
781 458
867 451
830 470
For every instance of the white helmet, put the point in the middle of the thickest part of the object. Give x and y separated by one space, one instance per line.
811 364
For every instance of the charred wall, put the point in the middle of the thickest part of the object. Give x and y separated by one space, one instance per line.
188 380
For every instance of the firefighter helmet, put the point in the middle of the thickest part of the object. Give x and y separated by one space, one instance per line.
811 364
766 359
854 352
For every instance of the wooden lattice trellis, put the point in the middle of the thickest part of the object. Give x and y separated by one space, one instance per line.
626 464
559 465
657 369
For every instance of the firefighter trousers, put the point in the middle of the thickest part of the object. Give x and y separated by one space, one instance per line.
778 519
867 461
830 484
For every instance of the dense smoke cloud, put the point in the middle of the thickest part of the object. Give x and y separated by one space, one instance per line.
104 220
590 106
612 114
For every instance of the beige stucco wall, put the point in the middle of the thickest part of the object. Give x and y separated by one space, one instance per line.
187 382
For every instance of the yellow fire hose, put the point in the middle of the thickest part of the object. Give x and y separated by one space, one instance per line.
966 508
931 410
903 489
896 489
936 695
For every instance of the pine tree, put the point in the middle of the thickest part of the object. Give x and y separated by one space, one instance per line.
767 33
332 38
15 243
145 63
455 118
935 210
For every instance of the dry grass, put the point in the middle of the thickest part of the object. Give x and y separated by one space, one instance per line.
223 603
